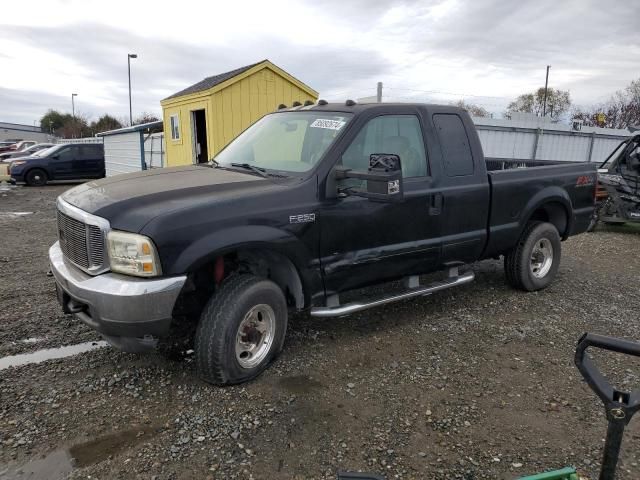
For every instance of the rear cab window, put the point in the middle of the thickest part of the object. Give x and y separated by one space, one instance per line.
454 142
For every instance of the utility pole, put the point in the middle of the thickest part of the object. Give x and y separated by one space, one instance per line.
73 114
379 93
129 57
546 84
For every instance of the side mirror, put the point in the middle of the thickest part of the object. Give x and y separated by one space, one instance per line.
56 157
384 179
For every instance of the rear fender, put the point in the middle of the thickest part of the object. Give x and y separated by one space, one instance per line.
553 195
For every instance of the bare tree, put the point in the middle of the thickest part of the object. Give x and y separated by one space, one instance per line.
473 109
622 110
558 102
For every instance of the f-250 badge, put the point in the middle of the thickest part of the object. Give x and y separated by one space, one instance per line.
302 218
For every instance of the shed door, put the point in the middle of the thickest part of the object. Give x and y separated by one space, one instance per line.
199 129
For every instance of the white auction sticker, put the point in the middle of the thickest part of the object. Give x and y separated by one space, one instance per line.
326 123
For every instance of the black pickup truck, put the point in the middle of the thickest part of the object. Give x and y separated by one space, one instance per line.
307 204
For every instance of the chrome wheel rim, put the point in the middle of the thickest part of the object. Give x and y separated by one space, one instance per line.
255 335
541 258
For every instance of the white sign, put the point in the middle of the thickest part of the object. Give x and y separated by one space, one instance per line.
326 123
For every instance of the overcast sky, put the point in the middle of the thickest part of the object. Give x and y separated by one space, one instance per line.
484 51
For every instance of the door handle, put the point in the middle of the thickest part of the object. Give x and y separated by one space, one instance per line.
435 205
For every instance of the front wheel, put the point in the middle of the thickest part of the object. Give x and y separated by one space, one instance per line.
533 263
36 177
241 330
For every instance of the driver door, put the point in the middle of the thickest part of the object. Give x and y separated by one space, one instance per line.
364 242
62 162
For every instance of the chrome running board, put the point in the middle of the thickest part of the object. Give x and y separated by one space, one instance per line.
337 310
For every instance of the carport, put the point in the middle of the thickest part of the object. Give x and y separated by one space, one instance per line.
135 148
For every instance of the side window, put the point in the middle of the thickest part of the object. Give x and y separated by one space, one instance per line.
68 153
454 142
397 134
92 152
175 127
83 152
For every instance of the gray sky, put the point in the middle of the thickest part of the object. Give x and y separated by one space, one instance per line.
484 51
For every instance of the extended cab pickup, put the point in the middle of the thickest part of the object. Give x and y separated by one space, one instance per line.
308 203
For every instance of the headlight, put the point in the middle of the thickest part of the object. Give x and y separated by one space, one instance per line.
17 162
132 254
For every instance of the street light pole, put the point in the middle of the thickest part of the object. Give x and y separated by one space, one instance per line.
544 103
129 57
73 112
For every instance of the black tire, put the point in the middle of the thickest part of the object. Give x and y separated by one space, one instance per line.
217 332
520 271
36 177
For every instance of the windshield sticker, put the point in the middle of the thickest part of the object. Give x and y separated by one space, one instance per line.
326 123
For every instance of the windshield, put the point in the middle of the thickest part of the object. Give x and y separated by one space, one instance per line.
45 151
285 142
50 150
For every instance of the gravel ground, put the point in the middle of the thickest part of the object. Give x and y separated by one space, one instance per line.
472 383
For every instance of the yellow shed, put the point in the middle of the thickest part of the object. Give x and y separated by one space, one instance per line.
201 119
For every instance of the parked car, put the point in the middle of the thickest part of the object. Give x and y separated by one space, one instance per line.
27 152
302 207
23 145
75 161
6 145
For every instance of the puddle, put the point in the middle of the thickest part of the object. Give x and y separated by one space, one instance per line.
299 384
100 449
58 464
55 466
49 354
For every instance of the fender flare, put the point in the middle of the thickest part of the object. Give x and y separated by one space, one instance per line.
552 194
252 237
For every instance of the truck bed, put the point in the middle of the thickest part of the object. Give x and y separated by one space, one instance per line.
517 186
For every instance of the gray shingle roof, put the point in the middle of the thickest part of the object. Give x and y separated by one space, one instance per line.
209 82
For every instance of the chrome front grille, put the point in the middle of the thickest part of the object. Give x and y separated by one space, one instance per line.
72 234
82 238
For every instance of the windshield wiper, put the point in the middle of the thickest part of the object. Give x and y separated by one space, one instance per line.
260 171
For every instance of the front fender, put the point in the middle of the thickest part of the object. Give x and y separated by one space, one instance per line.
217 243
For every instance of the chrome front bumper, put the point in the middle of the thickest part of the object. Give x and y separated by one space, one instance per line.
116 305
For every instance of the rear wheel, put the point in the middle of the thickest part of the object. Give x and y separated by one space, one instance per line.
533 263
36 177
241 330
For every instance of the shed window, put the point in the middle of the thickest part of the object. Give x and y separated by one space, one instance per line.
175 127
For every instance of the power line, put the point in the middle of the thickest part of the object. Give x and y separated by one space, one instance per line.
446 93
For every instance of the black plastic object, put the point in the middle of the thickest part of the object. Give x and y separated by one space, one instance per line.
620 406
359 476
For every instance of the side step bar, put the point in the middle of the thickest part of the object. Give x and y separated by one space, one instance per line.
416 291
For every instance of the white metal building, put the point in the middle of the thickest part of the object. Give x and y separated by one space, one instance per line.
525 136
17 131
132 149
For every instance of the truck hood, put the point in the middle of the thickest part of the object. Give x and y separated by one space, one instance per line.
132 200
